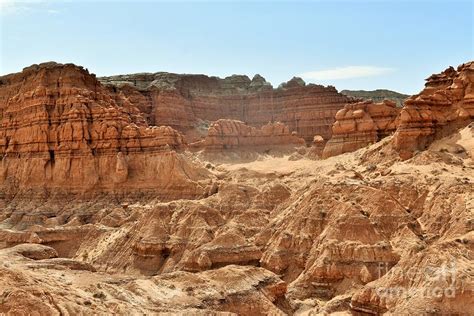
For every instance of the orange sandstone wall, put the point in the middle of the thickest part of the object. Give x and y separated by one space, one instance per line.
60 128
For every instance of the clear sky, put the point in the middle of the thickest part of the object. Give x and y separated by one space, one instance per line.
348 44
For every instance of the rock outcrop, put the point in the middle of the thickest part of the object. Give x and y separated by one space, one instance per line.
361 124
445 105
234 135
62 131
189 102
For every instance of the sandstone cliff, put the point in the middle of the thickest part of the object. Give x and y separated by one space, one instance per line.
186 102
62 131
445 105
361 124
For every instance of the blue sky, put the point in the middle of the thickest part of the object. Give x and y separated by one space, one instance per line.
348 44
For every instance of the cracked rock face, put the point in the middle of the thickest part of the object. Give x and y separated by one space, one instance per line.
103 212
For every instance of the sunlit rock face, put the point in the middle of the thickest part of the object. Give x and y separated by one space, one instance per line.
445 105
62 131
189 102
234 135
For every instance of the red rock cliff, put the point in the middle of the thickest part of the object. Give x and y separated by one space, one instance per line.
60 128
185 101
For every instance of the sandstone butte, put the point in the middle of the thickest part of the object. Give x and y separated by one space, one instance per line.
115 197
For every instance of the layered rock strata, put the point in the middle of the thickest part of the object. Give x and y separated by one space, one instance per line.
361 124
445 105
189 102
61 130
233 135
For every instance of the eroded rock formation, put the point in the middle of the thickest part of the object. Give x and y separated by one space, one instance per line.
231 289
189 102
445 105
361 124
233 135
62 131
339 233
317 147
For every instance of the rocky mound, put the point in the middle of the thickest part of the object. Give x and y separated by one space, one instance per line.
361 124
185 101
51 286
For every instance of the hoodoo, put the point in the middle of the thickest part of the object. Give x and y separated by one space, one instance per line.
361 124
